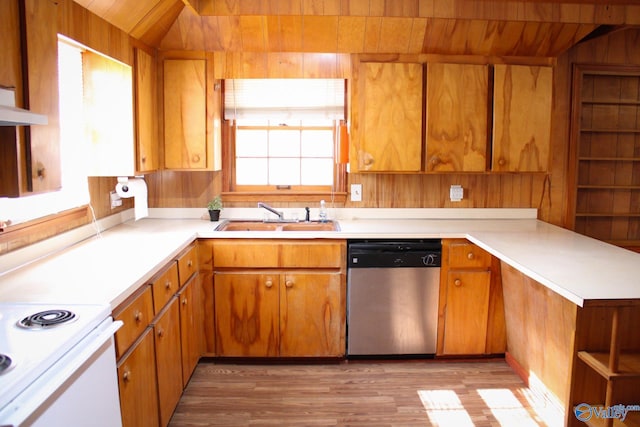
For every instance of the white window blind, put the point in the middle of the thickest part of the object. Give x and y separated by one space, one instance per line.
284 99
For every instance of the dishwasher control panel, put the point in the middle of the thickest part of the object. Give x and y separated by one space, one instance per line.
395 254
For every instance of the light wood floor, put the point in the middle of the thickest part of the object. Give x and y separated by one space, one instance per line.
398 393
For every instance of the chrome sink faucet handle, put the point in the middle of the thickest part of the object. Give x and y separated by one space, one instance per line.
272 210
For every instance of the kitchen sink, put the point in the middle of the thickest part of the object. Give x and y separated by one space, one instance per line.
257 225
247 226
311 226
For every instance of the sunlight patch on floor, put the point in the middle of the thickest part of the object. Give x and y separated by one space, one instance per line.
506 408
444 408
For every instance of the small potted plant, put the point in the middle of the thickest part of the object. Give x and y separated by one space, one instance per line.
215 206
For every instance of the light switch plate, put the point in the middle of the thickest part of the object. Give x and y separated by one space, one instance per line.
356 192
456 193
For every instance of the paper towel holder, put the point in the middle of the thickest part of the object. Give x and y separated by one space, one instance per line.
124 180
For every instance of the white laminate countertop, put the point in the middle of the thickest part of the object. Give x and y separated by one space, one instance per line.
108 268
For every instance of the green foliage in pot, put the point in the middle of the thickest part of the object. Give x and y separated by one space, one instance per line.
215 204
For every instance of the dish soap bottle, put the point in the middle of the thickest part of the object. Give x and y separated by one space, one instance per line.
323 211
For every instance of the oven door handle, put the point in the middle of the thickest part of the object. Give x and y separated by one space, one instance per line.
63 369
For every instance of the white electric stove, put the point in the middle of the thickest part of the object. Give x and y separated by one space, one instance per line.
57 365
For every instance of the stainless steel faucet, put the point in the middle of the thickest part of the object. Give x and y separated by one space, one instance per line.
272 210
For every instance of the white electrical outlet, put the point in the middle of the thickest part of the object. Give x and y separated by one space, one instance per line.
456 193
115 200
356 192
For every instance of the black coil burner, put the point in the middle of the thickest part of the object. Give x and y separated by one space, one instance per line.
5 363
47 319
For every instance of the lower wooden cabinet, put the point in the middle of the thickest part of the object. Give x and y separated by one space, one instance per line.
246 314
471 310
279 298
191 326
138 384
467 312
157 354
168 359
279 314
311 315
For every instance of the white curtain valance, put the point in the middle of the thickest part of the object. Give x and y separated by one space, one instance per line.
284 99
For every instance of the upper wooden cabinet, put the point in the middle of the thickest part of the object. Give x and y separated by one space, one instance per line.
121 109
108 112
185 115
146 112
30 155
457 110
386 133
522 118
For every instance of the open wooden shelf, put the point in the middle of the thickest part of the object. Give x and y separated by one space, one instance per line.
606 140
628 364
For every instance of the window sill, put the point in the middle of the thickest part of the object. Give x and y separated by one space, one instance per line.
17 236
239 198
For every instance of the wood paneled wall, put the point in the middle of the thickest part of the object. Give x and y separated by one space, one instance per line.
548 192
81 25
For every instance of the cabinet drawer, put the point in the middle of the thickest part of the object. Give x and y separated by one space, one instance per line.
136 317
187 264
313 254
138 384
248 253
164 287
463 254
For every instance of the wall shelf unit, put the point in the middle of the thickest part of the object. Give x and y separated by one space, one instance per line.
606 146
607 373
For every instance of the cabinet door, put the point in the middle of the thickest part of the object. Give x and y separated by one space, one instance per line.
108 116
168 360
466 315
146 112
246 310
457 118
185 113
388 134
138 385
311 315
44 170
522 118
191 324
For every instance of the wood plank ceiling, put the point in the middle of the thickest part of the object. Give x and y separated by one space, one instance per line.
454 27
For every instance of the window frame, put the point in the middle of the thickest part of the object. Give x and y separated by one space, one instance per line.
249 193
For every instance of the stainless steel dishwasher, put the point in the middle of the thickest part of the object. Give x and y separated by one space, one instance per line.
392 297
